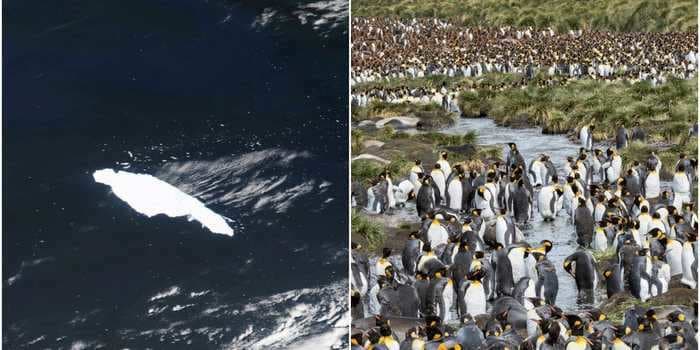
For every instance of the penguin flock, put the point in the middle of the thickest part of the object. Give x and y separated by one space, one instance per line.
468 279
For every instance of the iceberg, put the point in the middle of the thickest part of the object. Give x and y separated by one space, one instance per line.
151 196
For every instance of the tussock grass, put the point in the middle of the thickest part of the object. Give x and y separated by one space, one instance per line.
371 232
666 112
613 15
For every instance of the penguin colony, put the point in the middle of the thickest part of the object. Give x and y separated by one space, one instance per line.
467 279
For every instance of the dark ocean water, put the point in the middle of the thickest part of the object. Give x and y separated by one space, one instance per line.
242 105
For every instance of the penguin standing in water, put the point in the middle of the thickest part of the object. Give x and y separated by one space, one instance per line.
547 284
586 137
613 280
548 201
438 177
538 171
453 197
503 276
583 221
425 200
582 267
621 137
521 203
514 159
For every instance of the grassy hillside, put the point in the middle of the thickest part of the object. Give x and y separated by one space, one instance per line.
615 15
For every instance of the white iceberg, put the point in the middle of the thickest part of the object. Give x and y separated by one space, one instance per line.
150 196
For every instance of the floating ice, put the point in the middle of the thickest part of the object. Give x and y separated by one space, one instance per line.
151 196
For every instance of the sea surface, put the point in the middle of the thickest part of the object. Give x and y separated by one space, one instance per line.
241 106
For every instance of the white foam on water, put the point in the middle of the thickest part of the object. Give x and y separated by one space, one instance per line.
174 290
151 196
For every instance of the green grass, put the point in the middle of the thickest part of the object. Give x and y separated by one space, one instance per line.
665 112
615 308
613 15
370 231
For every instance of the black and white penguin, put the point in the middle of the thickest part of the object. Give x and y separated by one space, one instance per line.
425 200
689 262
548 202
383 262
503 272
377 199
454 192
483 200
613 280
441 296
469 335
437 233
538 171
586 136
359 266
521 203
472 296
582 267
584 224
439 179
411 251
444 164
639 278
621 137
547 284
417 172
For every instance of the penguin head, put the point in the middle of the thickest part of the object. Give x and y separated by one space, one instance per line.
427 248
389 272
513 146
642 252
675 339
356 338
581 202
355 246
607 274
386 252
476 275
654 233
418 162
644 325
437 166
567 265
385 330
443 155
676 316
479 254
